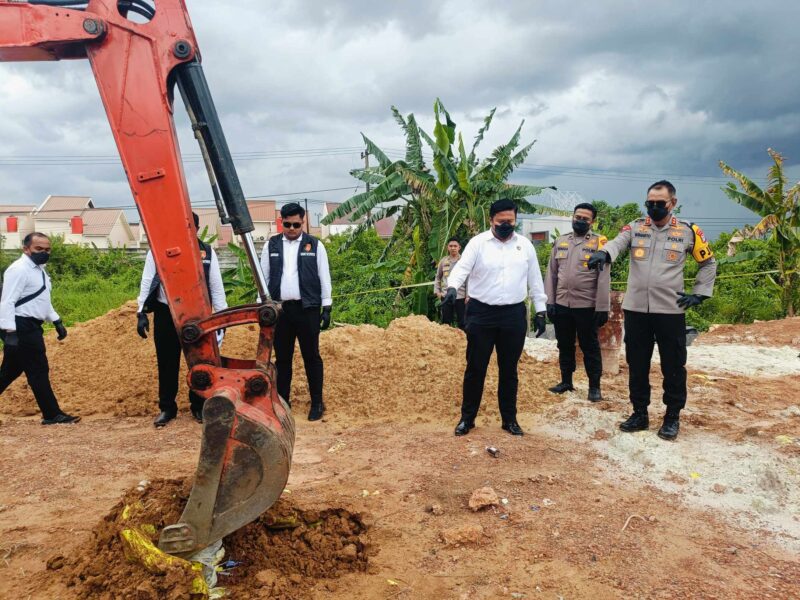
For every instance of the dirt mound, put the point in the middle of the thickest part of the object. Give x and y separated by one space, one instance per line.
281 555
411 371
781 332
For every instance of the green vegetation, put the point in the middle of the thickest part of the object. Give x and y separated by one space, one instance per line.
452 200
780 212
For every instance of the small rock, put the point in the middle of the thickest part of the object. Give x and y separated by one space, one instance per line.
146 591
718 488
547 502
463 535
601 434
267 577
792 411
350 552
732 550
54 563
483 497
436 509
295 578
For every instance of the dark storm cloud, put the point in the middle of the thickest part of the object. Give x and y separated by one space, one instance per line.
657 87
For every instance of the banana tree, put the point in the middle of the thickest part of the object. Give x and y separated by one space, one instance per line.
779 212
452 199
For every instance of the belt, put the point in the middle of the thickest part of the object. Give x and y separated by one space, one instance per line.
292 302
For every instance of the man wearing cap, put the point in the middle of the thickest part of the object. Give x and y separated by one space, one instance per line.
578 300
152 299
655 301
24 306
503 272
295 266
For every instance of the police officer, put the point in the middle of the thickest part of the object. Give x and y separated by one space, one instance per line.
655 301
440 285
578 299
24 306
295 266
152 299
503 271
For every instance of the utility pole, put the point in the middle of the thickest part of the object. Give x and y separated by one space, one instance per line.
308 219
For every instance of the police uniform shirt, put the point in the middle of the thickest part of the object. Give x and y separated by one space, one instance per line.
24 278
215 286
657 259
569 280
500 272
290 279
443 272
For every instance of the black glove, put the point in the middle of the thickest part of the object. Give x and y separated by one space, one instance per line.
60 329
143 325
598 260
687 301
450 296
551 312
539 324
325 320
600 318
11 341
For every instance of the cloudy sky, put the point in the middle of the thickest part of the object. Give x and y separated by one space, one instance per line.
617 95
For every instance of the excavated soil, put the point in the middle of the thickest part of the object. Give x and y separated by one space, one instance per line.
280 555
413 369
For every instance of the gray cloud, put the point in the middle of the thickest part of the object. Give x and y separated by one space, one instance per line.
662 89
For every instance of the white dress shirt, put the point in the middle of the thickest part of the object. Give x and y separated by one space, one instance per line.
22 278
500 272
218 300
290 279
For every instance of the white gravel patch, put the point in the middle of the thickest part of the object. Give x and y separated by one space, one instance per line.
541 349
739 359
746 483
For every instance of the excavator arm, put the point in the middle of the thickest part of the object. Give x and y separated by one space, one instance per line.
139 53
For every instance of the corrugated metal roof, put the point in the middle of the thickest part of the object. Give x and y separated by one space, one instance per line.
8 210
62 204
262 211
98 221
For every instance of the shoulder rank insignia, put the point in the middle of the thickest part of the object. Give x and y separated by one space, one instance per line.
702 250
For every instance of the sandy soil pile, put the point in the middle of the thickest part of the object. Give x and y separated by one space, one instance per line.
285 551
412 371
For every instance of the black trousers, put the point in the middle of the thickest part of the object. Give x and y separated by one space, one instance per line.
30 357
500 328
450 310
168 357
642 330
571 321
301 324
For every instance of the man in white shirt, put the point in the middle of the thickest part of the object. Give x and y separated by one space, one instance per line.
24 306
168 346
295 266
503 271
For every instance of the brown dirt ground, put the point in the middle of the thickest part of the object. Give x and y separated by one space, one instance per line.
784 332
374 469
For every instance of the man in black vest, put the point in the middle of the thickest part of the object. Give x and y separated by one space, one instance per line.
295 266
168 346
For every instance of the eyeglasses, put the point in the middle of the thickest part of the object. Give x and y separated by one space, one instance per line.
655 203
292 225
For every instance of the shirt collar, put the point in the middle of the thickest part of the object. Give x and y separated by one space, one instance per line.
30 262
285 239
512 238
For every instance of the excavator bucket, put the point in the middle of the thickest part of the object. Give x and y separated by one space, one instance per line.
244 464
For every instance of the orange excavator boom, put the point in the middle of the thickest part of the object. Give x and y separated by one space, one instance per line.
140 53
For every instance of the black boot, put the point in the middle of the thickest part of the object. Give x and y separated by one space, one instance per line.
638 421
671 426
565 385
316 411
594 394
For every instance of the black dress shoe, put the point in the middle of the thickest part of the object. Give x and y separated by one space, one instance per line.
594 394
638 421
197 413
163 418
670 428
562 388
61 419
316 411
463 427
513 428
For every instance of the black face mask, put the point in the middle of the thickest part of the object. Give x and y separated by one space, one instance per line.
504 230
581 227
657 212
40 258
